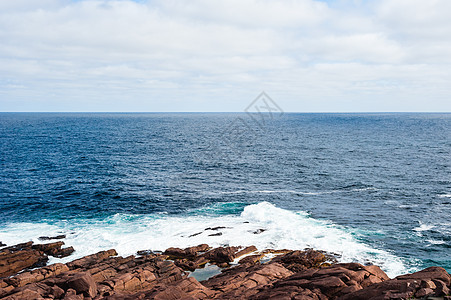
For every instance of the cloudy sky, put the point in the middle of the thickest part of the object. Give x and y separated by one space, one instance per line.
218 55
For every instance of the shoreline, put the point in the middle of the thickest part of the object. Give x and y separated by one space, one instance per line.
203 272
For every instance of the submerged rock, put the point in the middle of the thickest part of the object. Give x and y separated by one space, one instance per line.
57 237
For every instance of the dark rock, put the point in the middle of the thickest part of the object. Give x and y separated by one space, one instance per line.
215 234
2 245
194 234
65 252
145 252
215 228
57 237
258 231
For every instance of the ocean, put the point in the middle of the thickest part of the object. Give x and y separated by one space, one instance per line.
371 188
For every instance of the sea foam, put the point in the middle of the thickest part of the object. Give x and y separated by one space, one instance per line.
263 225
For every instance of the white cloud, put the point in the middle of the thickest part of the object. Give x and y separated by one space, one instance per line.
204 55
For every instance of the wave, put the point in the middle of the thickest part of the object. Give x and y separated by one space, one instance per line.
445 196
263 225
436 242
423 227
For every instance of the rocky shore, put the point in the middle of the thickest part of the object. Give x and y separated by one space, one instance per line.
204 273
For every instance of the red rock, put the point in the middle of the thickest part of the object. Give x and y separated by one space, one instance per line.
441 289
301 260
12 262
72 295
221 254
106 276
189 252
245 251
91 259
83 283
251 259
437 273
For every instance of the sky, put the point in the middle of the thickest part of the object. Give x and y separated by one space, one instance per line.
218 55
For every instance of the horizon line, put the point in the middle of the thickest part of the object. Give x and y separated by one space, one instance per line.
229 112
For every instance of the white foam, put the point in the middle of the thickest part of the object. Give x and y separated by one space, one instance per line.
364 189
445 196
435 242
408 205
282 229
423 227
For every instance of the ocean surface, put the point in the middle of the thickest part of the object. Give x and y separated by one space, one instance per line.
371 188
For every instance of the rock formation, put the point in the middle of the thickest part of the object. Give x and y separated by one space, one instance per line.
306 274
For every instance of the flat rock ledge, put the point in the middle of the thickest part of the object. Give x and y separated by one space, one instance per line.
245 273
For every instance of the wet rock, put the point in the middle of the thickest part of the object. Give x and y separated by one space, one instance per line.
194 234
54 249
145 252
251 259
57 237
216 234
17 258
258 231
216 228
2 245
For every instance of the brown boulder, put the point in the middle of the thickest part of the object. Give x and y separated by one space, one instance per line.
12 262
221 254
189 252
87 261
297 261
433 281
430 273
54 249
243 281
83 283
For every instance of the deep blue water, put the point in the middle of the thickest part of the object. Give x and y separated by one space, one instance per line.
384 178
